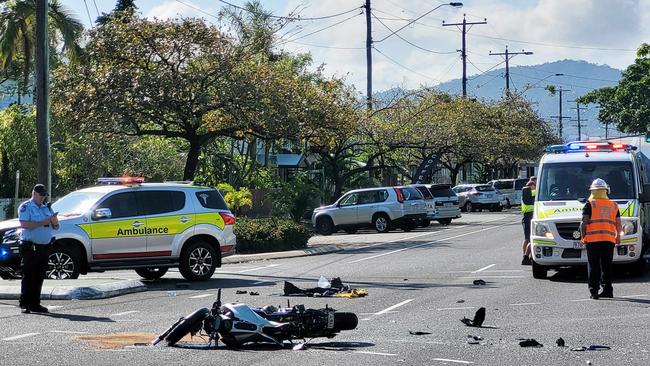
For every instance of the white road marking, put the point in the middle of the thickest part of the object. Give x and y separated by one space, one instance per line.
375 353
505 270
428 243
20 336
53 307
633 296
66 332
580 300
125 313
526 303
7 306
459 308
258 268
200 296
450 360
388 312
496 277
388 309
484 268
261 282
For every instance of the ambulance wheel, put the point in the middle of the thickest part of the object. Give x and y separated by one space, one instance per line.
638 268
151 273
198 261
540 272
63 263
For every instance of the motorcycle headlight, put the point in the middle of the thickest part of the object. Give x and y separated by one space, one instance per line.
629 227
542 229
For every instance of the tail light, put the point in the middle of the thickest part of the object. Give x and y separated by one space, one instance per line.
228 219
400 195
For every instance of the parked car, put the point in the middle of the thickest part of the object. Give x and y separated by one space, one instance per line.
511 188
478 197
429 204
446 203
382 208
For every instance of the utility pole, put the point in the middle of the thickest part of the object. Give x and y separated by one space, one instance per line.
508 56
464 30
560 117
42 85
368 56
578 108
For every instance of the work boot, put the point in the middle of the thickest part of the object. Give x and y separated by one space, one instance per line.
594 296
39 309
526 261
606 294
25 310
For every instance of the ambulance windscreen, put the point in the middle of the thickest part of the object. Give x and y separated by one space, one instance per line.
571 181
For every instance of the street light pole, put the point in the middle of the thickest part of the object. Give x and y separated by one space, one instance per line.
43 154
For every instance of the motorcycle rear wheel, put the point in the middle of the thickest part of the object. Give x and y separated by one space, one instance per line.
345 321
192 323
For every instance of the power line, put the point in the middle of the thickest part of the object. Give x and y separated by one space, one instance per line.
418 18
297 18
464 48
411 43
565 74
96 8
330 47
198 9
319 30
486 71
508 56
404 67
542 79
90 20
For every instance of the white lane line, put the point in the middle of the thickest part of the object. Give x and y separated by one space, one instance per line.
459 308
394 307
53 307
450 360
526 303
376 353
496 277
484 268
421 235
505 270
388 312
580 300
125 313
7 306
261 282
428 243
200 296
258 268
633 296
20 336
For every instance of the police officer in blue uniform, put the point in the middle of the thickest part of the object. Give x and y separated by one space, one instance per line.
37 222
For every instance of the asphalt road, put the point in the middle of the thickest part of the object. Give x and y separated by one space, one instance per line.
417 281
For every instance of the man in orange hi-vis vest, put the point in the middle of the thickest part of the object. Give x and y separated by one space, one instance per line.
601 231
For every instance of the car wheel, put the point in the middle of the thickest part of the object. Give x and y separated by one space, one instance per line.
198 261
444 221
63 263
638 268
508 205
463 208
352 230
381 222
425 223
540 272
151 273
499 209
324 226
469 207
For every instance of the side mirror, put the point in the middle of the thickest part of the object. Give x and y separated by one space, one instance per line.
644 196
102 213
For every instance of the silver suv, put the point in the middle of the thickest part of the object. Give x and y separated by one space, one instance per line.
478 197
382 208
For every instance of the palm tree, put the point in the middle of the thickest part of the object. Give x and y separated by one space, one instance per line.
18 33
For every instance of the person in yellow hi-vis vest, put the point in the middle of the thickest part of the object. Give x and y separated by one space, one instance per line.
600 231
527 208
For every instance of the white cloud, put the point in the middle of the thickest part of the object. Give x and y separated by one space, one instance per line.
174 9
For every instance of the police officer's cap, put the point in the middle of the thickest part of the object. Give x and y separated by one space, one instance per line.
40 189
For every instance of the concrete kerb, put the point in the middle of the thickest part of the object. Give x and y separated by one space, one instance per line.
321 249
108 288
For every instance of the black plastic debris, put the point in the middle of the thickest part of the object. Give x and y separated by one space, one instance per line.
326 288
473 339
418 333
560 342
460 301
254 293
479 318
479 282
530 343
240 292
593 347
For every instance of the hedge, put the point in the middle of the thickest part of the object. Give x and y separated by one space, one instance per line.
270 235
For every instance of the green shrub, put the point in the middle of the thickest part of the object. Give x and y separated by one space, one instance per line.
270 235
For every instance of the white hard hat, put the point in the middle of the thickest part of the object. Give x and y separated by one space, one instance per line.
598 184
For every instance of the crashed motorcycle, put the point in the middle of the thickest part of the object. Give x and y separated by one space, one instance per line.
236 324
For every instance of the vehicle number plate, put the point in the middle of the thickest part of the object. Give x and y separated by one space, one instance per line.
577 245
330 320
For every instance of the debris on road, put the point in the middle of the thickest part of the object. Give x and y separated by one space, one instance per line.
530 343
122 340
254 293
460 301
325 289
471 339
479 282
299 347
418 333
479 318
241 292
560 342
593 347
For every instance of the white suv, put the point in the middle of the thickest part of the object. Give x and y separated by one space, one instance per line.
148 227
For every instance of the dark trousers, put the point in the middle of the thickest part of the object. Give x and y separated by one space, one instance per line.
600 255
35 258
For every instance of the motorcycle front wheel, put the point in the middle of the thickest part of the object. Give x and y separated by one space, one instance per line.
192 323
345 321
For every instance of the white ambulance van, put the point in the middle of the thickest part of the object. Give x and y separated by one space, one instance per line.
565 173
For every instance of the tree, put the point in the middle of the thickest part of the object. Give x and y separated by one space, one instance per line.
17 34
17 149
627 104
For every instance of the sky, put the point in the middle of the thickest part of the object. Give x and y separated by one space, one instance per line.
598 31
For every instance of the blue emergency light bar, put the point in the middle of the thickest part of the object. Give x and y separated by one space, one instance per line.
120 180
582 146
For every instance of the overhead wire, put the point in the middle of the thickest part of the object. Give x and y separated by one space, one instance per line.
411 43
90 20
293 18
405 67
319 30
96 8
